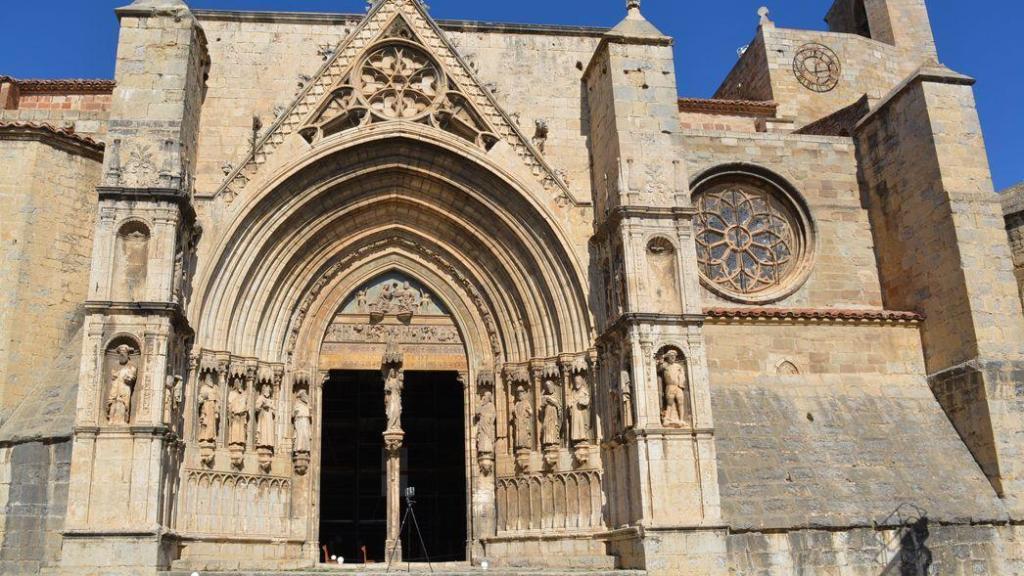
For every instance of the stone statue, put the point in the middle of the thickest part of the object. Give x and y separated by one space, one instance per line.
486 433
361 301
393 399
580 410
122 381
209 411
302 420
174 391
626 392
672 376
551 416
265 415
238 415
522 420
425 302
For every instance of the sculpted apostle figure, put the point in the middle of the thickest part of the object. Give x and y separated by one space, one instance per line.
238 414
551 416
393 399
672 375
302 421
522 420
580 410
626 391
265 415
209 411
486 416
122 380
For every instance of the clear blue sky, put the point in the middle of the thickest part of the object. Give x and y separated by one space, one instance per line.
77 38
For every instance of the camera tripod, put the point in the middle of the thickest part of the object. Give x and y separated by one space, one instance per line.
410 499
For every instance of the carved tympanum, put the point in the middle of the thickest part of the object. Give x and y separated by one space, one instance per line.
675 389
122 385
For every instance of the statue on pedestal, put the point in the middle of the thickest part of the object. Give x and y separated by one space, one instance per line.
122 381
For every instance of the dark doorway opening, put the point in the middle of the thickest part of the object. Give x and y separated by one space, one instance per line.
434 463
353 505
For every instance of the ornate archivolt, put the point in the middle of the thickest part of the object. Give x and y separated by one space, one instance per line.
469 224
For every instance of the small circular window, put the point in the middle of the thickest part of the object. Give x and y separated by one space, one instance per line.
753 238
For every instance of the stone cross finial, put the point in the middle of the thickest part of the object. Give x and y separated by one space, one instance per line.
765 20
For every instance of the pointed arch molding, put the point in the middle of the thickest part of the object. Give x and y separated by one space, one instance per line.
332 99
432 208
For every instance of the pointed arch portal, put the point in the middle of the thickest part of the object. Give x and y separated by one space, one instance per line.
383 239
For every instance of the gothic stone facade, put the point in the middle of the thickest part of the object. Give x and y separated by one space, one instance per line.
777 331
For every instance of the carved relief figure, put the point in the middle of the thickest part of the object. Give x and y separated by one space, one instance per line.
122 382
302 421
393 399
672 377
522 420
580 409
238 415
209 411
486 418
551 416
626 392
361 301
174 390
265 415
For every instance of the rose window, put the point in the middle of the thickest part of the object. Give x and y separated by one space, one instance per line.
399 82
751 239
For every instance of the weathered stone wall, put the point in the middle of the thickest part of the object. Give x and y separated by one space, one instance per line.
823 170
843 442
48 199
927 547
33 502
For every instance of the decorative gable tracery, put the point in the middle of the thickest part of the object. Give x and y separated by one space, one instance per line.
398 80
330 103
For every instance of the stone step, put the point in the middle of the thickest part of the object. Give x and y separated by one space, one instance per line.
443 569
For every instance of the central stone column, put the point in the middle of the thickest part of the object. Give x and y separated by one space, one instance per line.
394 381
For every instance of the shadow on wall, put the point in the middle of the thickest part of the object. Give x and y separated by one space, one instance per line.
912 556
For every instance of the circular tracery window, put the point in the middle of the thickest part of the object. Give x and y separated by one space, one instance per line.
753 239
400 82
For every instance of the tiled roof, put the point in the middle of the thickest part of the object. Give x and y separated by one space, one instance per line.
813 314
21 130
62 85
728 107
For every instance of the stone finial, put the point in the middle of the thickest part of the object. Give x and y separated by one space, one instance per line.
765 20
632 5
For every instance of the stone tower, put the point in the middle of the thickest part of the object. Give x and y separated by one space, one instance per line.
127 446
659 440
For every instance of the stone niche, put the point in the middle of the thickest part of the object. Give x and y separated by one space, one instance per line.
122 368
131 262
664 276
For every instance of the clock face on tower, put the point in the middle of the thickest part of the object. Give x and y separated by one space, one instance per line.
817 67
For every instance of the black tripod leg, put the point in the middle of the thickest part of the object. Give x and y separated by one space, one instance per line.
422 543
